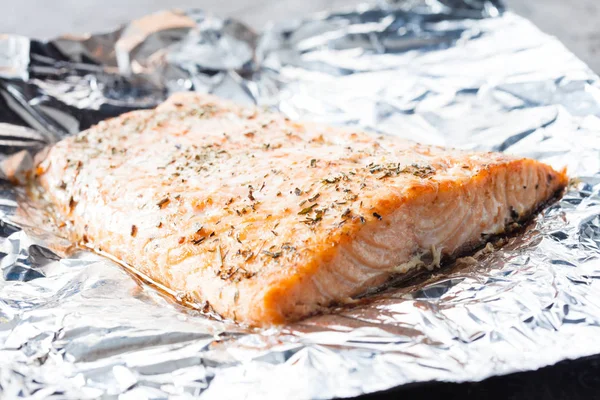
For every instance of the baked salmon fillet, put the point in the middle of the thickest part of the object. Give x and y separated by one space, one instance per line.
267 220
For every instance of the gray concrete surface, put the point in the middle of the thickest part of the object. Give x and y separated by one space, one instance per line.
575 22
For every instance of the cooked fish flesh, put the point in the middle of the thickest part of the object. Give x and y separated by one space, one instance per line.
268 220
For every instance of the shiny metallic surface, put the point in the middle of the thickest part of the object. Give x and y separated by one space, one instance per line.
456 73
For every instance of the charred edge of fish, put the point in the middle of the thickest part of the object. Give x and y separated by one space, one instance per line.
514 214
206 307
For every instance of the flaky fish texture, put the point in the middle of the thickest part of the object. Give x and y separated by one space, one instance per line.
269 220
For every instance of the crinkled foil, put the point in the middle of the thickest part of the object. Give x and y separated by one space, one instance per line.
459 73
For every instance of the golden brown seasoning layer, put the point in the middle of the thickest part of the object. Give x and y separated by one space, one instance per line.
269 220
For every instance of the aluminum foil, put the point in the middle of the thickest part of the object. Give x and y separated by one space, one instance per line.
459 73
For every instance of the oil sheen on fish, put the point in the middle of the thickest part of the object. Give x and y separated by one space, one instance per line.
269 220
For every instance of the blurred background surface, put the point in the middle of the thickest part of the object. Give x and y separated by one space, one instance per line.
575 22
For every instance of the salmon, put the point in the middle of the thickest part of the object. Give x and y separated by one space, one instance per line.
266 220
